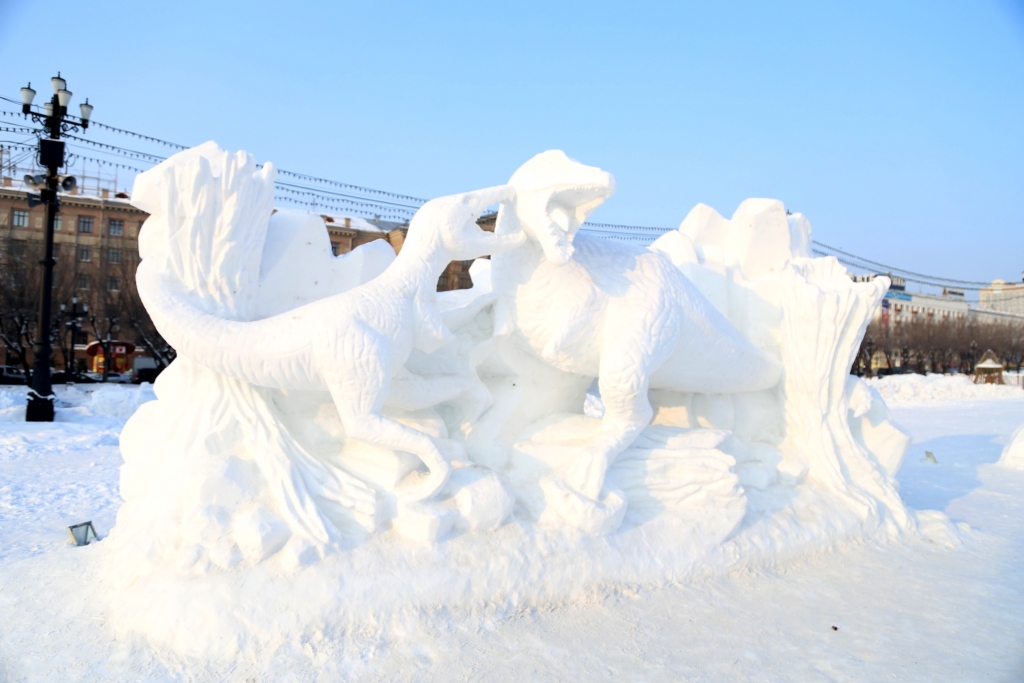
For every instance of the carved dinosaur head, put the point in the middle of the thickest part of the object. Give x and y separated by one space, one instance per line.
452 221
553 196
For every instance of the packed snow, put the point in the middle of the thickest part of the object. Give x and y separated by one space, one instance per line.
905 389
915 610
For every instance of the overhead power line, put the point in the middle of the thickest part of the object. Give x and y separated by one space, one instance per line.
894 269
359 188
615 226
405 207
930 283
146 156
350 210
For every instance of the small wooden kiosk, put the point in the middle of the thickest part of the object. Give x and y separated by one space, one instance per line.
988 370
120 356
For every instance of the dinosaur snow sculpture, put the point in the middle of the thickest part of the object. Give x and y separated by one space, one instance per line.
309 386
352 344
625 315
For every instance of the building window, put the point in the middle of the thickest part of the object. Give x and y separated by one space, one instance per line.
18 250
113 284
58 222
82 281
85 224
84 253
21 219
113 255
116 228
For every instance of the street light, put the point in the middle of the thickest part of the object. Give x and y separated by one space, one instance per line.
74 324
869 346
27 95
55 122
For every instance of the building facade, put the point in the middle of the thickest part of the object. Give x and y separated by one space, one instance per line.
96 252
1003 297
95 239
348 232
998 306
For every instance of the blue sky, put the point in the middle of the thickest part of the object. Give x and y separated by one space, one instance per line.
896 127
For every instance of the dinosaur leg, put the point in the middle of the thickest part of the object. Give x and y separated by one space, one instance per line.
359 396
623 381
381 431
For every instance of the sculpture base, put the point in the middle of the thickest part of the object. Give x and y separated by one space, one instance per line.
697 500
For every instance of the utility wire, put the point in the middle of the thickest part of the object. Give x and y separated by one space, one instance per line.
145 156
372 214
615 226
406 207
898 270
930 283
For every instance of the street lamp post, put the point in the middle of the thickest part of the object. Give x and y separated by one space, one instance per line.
55 121
74 324
869 346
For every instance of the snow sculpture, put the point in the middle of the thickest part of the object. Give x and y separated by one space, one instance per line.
201 281
351 343
826 426
623 315
693 332
590 411
310 390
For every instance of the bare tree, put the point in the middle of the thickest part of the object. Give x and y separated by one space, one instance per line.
939 345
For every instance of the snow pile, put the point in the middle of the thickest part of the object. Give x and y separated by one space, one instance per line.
111 403
1013 454
12 403
911 388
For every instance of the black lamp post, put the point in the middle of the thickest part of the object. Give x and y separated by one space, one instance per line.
55 121
74 324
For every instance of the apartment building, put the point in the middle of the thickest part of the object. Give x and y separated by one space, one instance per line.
1003 297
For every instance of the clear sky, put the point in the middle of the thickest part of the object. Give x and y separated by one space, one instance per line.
896 127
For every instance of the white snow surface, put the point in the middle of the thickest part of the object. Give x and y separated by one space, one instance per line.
906 389
1013 454
944 607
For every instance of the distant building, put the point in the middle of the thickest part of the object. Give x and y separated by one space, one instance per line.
901 306
348 232
1003 297
906 306
896 282
97 236
96 247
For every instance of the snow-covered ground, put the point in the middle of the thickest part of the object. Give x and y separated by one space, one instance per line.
900 390
854 612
